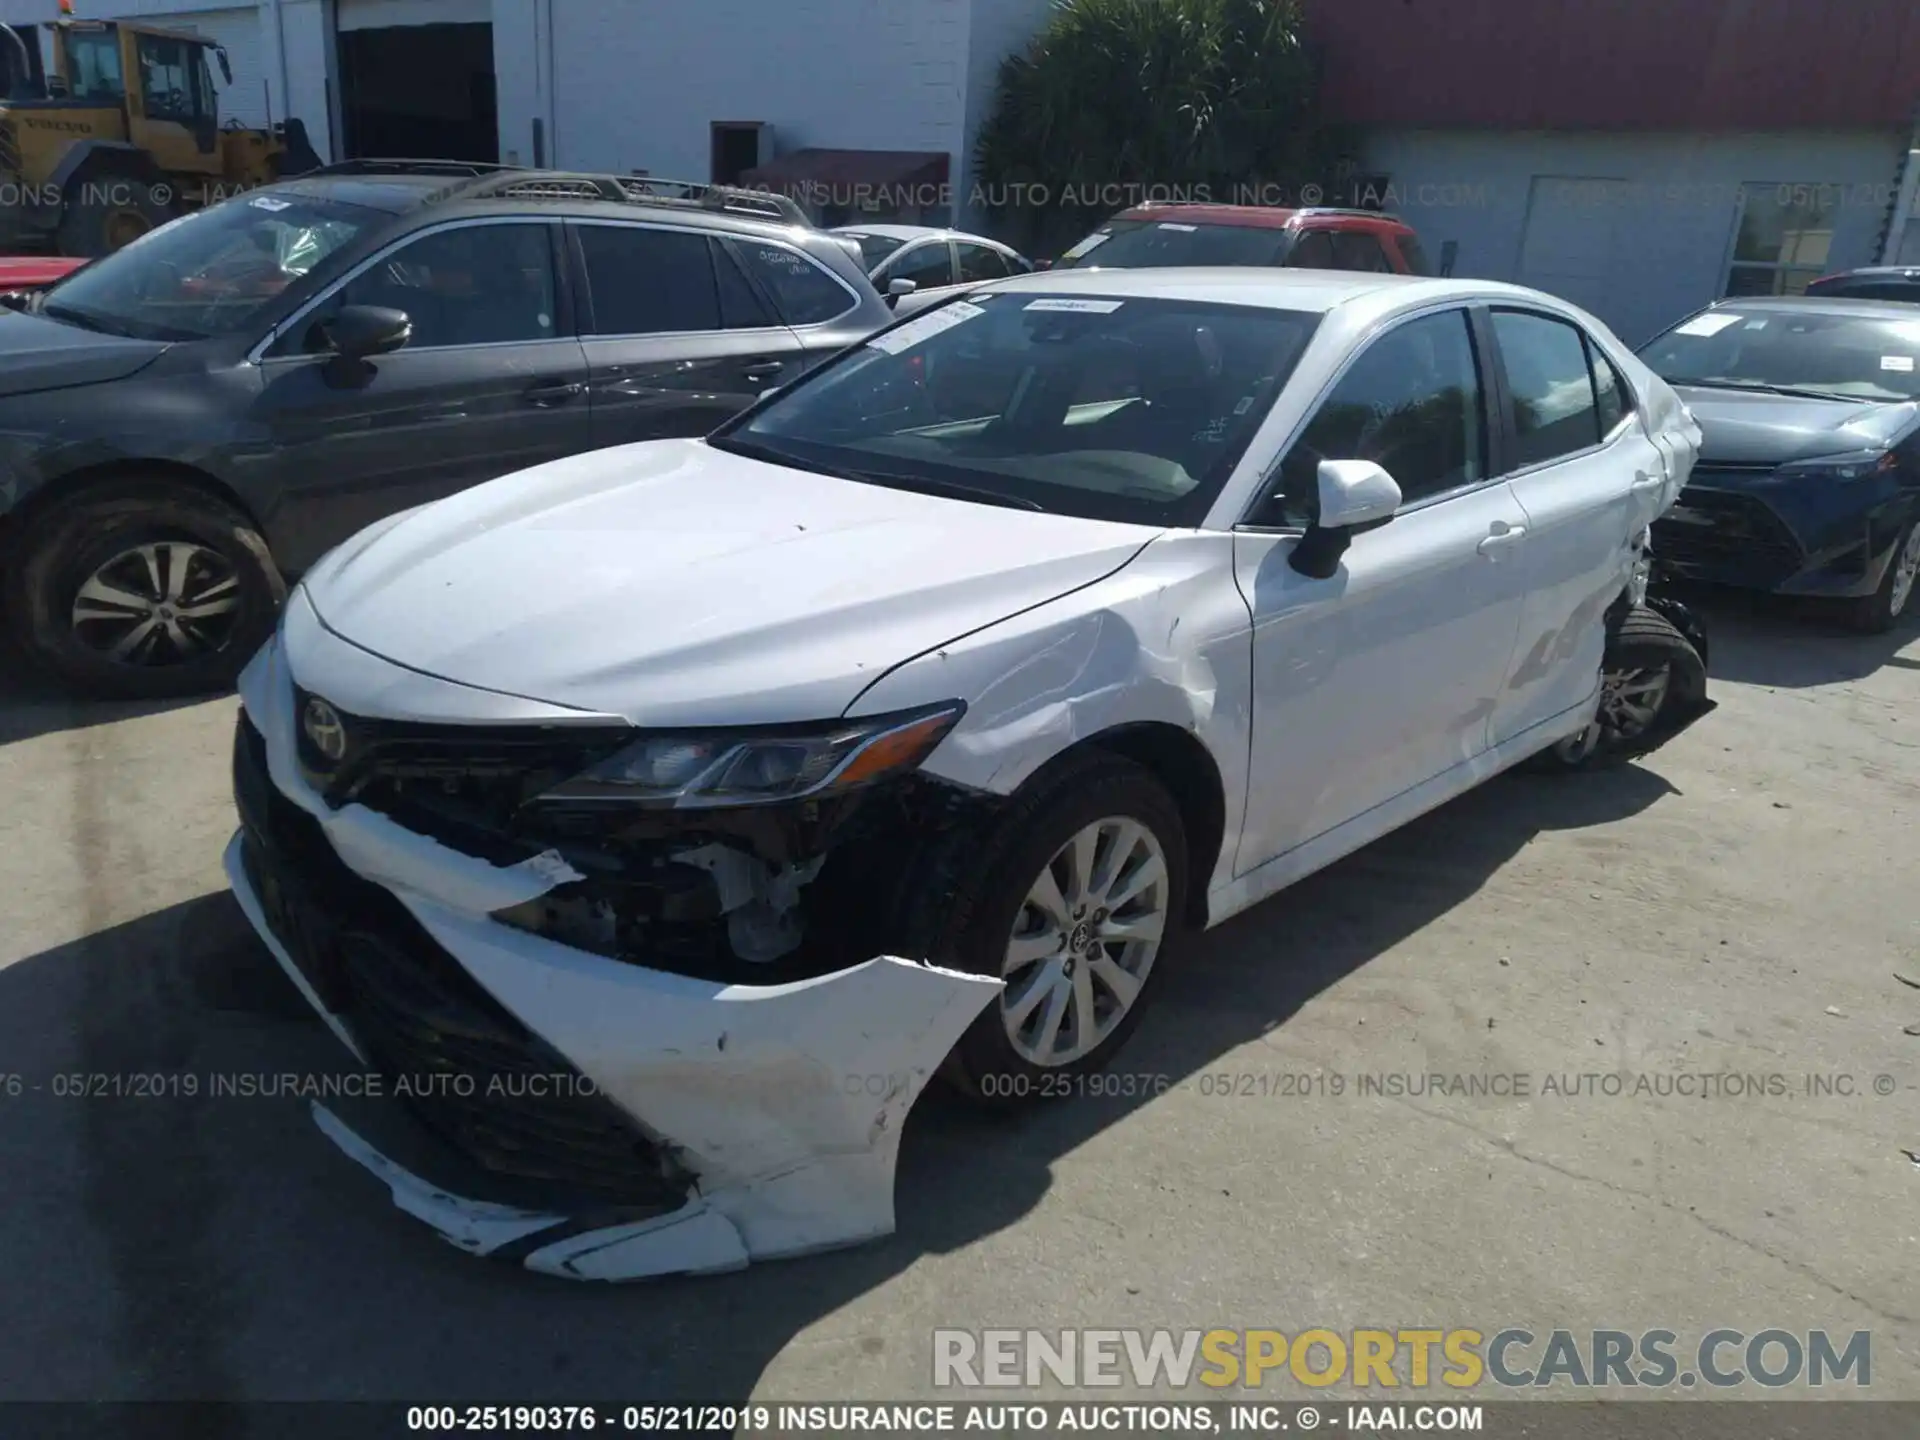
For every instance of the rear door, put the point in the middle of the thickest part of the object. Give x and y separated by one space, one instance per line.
1589 477
492 380
677 338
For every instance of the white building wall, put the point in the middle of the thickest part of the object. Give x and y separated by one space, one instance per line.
1646 223
629 86
996 29
254 44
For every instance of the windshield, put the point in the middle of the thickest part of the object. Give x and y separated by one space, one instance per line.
1112 409
209 273
873 248
1151 244
1850 357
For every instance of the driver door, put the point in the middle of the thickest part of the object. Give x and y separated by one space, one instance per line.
492 381
1384 676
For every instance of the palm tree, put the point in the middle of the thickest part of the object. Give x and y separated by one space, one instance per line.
1121 100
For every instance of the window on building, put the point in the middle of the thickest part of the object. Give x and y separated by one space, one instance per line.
1547 371
806 294
649 282
1785 233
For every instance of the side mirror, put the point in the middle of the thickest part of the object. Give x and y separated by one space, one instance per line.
1355 496
897 288
1043 264
16 299
226 65
360 331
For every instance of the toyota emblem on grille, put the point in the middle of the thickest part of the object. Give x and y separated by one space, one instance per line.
326 730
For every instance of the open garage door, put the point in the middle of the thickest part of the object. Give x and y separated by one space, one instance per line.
422 91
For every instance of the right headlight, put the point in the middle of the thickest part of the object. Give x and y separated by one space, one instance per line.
1854 465
708 769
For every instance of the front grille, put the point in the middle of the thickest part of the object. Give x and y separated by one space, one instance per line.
1718 533
460 1061
464 785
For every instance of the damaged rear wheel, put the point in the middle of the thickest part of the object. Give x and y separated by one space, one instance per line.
1071 899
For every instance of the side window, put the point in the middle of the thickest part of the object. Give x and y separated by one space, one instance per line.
805 293
741 307
978 262
649 282
1313 251
1410 403
168 76
1553 405
471 285
926 265
1612 398
1355 251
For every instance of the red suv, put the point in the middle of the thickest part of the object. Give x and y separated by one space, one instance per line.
1150 236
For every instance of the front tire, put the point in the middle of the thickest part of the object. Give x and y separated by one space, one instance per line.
1879 612
142 591
1073 897
1649 672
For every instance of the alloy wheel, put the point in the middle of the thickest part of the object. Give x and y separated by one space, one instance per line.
1084 941
1906 567
161 603
1630 702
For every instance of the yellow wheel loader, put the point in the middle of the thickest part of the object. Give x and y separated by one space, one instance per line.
118 131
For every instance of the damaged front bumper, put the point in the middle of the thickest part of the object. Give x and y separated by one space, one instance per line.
610 1121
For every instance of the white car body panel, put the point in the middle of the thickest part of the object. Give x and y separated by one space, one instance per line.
787 1101
768 594
673 584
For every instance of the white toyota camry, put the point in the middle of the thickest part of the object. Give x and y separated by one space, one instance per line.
658 820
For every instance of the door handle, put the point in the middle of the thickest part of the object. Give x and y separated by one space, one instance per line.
1503 536
546 396
765 371
1643 481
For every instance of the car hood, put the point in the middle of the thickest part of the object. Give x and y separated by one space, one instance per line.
675 584
41 354
1753 428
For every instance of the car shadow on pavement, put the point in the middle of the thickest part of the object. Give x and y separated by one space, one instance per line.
1759 639
32 705
194 1246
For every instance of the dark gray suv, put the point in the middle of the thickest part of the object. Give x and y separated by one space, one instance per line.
188 422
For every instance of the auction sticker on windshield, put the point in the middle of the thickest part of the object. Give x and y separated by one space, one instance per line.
1092 242
1183 229
1707 324
1078 307
267 202
907 336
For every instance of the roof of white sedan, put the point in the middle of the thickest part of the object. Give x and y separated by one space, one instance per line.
913 232
1282 289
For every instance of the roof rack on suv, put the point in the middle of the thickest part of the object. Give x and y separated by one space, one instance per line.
636 190
405 167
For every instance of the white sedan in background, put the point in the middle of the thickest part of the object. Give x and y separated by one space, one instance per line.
696 800
918 259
